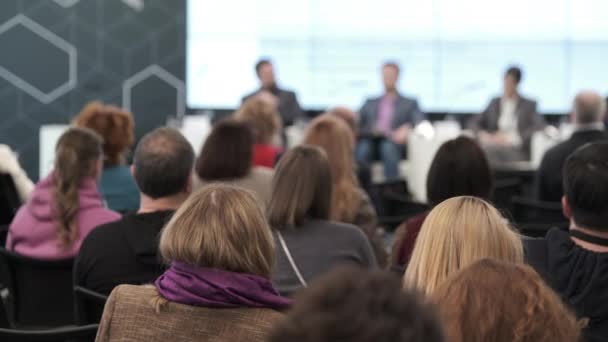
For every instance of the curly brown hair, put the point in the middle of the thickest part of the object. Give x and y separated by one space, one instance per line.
352 304
263 118
497 301
113 124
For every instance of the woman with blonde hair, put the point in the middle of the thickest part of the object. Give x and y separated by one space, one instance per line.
497 301
115 126
265 120
217 288
299 211
65 206
349 203
458 232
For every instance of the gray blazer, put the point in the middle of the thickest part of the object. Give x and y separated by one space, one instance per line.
528 119
406 111
289 107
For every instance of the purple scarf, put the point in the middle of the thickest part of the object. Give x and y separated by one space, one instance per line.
213 288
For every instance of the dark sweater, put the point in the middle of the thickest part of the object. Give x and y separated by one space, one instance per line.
549 176
578 275
121 252
317 247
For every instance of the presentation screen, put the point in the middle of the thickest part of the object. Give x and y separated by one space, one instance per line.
453 53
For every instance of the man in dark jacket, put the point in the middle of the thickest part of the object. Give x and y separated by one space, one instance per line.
575 262
505 128
588 116
286 100
125 251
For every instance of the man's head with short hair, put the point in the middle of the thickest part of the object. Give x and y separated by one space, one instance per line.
513 77
163 163
390 76
359 306
265 72
585 176
589 108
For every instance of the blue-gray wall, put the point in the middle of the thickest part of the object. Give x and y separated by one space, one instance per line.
56 55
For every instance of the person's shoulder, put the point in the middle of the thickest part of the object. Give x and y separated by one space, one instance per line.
262 172
109 215
104 234
287 92
250 95
140 295
561 151
341 231
527 100
408 98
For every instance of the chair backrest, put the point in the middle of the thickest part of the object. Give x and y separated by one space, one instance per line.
528 210
534 218
9 199
40 291
89 305
3 234
71 334
5 322
504 191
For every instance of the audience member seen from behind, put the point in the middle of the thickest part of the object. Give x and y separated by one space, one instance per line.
285 101
349 203
390 117
588 119
227 156
116 127
217 288
458 232
347 115
66 205
460 168
575 262
126 251
497 301
9 164
266 124
299 211
506 126
359 306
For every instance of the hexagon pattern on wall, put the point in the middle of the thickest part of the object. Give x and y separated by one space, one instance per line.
84 56
13 77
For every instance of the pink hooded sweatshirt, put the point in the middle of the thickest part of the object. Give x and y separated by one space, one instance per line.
33 232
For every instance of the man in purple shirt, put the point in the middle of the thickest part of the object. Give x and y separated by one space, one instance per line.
385 123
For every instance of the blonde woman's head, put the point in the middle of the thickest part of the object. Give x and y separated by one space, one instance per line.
458 232
221 227
262 116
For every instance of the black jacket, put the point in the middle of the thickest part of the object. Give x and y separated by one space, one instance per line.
121 252
578 275
549 175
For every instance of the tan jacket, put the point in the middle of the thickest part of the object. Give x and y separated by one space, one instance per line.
130 316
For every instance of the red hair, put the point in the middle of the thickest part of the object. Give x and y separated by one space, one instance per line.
113 124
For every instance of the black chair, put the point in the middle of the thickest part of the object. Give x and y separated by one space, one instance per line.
3 234
397 205
534 218
65 334
504 191
9 199
89 305
40 291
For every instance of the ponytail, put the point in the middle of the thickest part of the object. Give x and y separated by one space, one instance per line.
76 152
